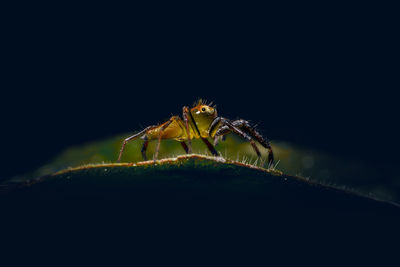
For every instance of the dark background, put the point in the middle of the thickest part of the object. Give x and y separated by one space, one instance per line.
318 76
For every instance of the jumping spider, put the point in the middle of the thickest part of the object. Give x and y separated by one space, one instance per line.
202 122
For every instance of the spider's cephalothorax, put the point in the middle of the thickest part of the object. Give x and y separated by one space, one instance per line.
202 122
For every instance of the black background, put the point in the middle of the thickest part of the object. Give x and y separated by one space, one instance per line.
317 75
314 75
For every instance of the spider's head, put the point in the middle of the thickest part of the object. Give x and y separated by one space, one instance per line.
203 115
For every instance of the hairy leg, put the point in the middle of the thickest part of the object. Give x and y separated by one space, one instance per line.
229 126
163 127
185 147
222 126
210 147
144 148
185 112
245 126
131 138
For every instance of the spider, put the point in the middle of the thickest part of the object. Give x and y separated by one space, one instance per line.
202 122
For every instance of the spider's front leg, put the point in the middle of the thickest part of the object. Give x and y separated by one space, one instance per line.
221 126
225 126
245 126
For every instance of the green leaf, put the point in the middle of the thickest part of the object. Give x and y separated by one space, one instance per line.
316 166
191 177
90 170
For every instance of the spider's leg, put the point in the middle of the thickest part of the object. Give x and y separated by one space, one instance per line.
162 128
185 112
144 148
210 146
222 129
185 147
245 126
131 138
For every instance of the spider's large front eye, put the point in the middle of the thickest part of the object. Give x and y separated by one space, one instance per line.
203 109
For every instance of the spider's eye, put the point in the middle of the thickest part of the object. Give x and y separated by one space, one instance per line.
203 109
